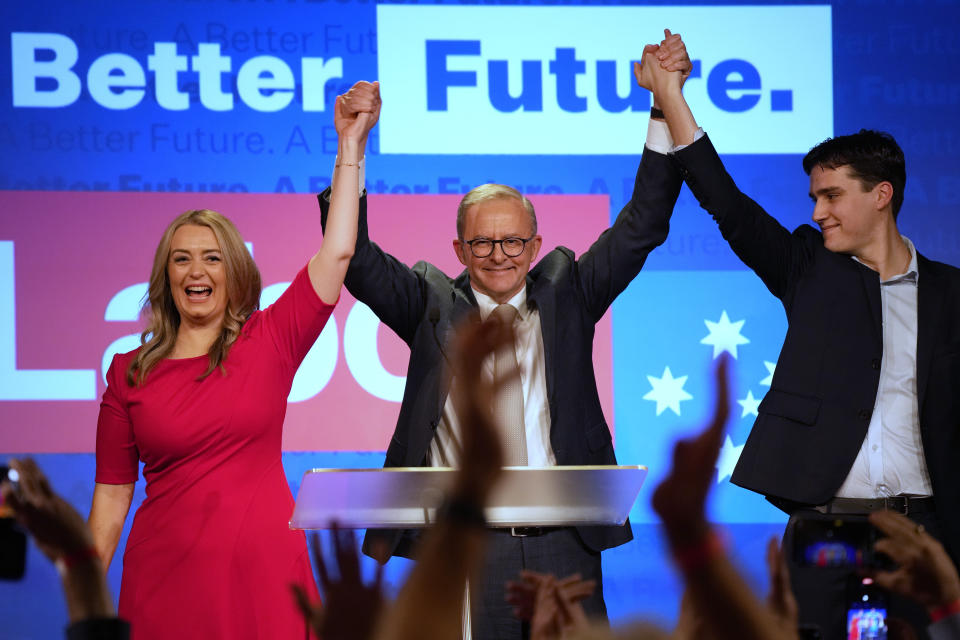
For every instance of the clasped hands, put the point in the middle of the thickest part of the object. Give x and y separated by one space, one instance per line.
663 66
357 111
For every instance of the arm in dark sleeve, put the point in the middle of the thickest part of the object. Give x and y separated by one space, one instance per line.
617 256
390 288
762 243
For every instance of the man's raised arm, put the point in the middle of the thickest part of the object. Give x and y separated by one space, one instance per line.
762 243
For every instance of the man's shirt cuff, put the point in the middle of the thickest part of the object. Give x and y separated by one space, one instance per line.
658 137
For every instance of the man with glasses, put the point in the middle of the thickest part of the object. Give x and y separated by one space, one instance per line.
554 403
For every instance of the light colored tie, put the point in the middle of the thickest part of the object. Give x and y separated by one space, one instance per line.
508 402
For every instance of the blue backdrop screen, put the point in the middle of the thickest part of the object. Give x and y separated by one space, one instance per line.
235 96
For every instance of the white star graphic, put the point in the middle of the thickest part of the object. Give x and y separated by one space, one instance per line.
771 366
749 405
724 335
727 460
667 391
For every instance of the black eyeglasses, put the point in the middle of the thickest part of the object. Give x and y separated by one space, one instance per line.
511 247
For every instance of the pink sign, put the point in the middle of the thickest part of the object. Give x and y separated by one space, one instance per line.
70 263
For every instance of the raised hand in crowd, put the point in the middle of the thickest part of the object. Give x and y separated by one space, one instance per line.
718 604
350 607
62 535
924 573
481 462
680 499
690 624
58 530
717 591
780 601
430 603
551 605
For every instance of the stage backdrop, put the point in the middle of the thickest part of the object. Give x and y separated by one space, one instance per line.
115 117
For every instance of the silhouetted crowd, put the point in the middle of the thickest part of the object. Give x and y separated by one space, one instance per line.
717 603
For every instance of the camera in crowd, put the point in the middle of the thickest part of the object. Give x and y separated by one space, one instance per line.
836 541
846 542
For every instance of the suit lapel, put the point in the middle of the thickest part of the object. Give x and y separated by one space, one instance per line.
871 287
462 304
543 298
929 303
463 301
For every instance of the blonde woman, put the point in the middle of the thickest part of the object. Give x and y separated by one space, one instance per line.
201 404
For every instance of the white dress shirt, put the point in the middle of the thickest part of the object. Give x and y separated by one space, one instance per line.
445 447
891 461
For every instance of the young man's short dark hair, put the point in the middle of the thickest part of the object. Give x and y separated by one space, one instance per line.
873 157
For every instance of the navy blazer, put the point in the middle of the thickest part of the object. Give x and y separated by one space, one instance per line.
422 305
814 419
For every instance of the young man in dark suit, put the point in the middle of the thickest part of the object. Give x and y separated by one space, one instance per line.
863 412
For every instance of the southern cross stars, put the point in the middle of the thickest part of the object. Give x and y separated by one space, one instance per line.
771 367
667 391
750 405
728 459
724 335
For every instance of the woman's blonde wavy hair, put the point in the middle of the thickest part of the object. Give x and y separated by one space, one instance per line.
243 296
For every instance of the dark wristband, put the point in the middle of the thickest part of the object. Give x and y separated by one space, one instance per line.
693 557
462 512
71 560
657 114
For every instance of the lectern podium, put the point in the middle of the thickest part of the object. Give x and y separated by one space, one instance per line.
408 497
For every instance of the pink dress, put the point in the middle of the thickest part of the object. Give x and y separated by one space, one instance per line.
210 554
